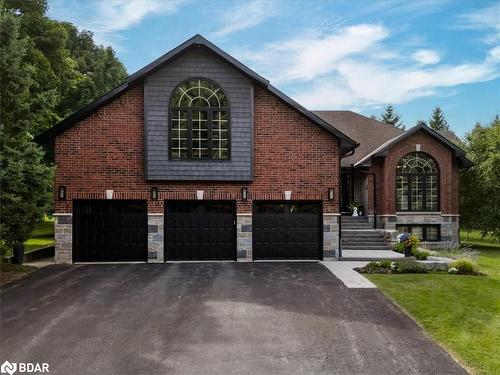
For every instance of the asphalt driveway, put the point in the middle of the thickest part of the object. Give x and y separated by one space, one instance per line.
209 318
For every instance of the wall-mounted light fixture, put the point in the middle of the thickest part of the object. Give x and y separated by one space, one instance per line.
62 193
287 194
244 193
331 194
199 194
154 193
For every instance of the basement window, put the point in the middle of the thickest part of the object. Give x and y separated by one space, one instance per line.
424 232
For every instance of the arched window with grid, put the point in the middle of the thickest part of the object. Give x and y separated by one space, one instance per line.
417 183
199 121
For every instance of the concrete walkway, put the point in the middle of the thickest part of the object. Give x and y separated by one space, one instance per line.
371 254
344 271
41 262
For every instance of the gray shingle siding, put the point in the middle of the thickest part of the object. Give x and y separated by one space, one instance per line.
157 90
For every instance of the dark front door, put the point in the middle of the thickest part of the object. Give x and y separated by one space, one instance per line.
200 230
110 231
287 230
347 188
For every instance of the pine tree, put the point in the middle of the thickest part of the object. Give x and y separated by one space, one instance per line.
437 120
25 178
391 117
421 122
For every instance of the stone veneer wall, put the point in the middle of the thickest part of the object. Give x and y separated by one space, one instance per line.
244 237
63 235
156 238
330 236
449 226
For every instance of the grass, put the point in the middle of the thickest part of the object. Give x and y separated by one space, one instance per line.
42 236
460 312
10 272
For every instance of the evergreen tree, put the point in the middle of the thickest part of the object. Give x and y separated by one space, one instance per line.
24 177
391 117
421 122
48 70
437 120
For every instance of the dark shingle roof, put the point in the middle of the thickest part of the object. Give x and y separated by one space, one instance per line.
375 137
368 132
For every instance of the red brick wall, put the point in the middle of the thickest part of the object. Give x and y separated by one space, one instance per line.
106 151
386 173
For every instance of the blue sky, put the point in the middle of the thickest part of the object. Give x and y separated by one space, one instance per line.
358 55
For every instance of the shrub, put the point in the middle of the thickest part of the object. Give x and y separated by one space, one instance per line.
463 266
399 247
420 254
409 266
377 266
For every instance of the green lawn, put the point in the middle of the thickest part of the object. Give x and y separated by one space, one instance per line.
460 312
42 236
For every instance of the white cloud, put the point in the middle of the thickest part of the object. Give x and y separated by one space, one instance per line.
314 55
356 67
487 18
426 56
245 16
107 18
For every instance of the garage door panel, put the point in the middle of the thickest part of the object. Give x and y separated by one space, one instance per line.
287 230
200 230
110 230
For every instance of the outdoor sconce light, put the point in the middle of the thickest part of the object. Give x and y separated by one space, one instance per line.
331 194
62 192
154 193
244 193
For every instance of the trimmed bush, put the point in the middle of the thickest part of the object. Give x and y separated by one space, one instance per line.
463 266
409 266
399 247
420 254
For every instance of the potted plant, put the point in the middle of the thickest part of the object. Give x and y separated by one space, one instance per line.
353 207
408 240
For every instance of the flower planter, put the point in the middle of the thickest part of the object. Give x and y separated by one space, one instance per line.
408 251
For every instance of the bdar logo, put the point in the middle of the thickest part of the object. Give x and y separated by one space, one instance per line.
8 368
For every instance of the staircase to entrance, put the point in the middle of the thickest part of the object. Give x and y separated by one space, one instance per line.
361 242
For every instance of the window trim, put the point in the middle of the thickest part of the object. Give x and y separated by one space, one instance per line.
424 230
190 111
424 207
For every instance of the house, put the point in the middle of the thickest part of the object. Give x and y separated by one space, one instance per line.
197 157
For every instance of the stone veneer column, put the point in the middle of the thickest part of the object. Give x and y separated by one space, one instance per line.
244 237
156 225
63 235
330 236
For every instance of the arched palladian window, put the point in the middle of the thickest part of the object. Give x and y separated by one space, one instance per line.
199 121
417 183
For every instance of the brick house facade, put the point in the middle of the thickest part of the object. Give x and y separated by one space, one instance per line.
282 181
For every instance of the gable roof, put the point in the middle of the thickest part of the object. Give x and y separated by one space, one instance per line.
346 143
369 132
382 149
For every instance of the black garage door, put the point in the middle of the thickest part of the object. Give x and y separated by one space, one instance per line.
287 230
109 231
197 230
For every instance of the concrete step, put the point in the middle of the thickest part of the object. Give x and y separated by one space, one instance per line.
365 248
362 238
378 242
357 227
354 218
